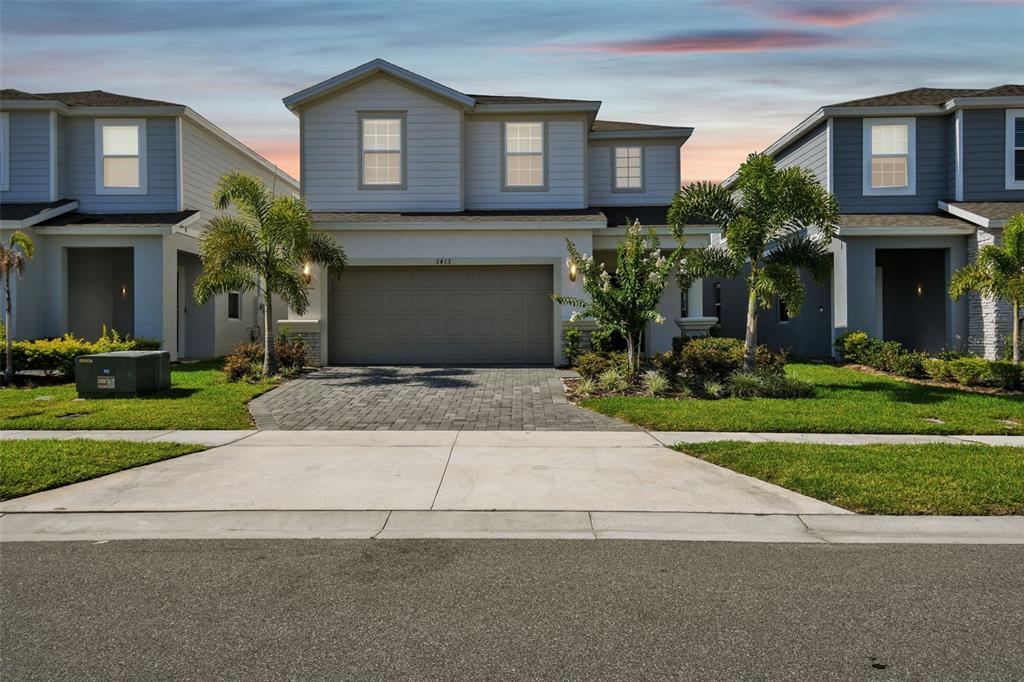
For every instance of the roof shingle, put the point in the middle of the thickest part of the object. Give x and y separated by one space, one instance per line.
154 220
895 220
85 98
932 96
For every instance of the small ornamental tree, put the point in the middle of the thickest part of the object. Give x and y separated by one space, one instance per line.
14 255
998 272
627 301
776 222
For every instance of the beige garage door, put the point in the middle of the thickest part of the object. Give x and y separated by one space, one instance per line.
442 315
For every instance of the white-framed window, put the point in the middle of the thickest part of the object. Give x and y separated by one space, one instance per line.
524 147
889 156
234 305
121 156
1015 149
382 150
629 169
5 151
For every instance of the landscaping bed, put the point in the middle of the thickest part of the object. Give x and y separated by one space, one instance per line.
940 479
30 466
200 397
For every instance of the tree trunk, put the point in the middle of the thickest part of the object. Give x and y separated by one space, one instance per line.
629 352
750 342
8 351
269 359
1017 334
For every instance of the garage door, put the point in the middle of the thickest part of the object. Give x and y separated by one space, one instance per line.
442 315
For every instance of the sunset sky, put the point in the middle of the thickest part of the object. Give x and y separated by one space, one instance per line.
741 72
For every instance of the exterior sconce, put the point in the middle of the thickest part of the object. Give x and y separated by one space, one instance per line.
124 290
821 309
920 290
307 276
572 270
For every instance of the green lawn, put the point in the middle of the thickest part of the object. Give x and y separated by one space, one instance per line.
199 398
28 466
957 480
847 401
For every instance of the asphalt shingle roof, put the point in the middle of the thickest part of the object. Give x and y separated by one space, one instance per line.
620 126
85 98
582 214
895 220
931 96
27 209
515 99
154 220
993 210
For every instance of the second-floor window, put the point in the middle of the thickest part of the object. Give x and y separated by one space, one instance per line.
1015 149
120 156
524 156
629 175
382 144
889 156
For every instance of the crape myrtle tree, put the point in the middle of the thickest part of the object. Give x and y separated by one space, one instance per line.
264 246
998 273
776 222
628 301
14 256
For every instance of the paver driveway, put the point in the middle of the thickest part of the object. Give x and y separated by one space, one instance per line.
428 398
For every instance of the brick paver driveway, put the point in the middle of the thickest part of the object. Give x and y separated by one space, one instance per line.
428 398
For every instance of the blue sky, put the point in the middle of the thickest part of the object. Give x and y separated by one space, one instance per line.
741 72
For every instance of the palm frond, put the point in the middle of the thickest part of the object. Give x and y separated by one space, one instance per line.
710 261
325 251
703 201
246 193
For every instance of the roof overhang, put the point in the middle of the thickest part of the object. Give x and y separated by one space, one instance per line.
909 231
681 134
43 215
433 225
181 227
976 218
371 68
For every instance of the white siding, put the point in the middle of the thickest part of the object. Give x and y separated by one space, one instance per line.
205 159
161 162
565 165
660 169
29 156
432 154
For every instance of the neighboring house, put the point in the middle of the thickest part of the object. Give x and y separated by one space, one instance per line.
923 178
115 191
454 209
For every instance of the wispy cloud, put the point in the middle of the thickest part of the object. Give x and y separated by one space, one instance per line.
827 13
706 41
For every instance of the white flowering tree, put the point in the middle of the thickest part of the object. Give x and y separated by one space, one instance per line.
627 302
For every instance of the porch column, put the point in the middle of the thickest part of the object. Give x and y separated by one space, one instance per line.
840 313
695 323
956 311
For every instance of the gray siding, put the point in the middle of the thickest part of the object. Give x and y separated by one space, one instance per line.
985 157
932 142
951 158
205 159
565 163
809 152
331 151
162 169
62 158
660 168
29 163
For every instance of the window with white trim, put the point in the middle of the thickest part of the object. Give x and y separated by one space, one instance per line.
5 144
1015 149
629 174
234 305
524 155
121 156
382 151
889 157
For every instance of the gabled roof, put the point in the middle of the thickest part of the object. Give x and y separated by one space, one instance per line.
85 98
22 214
376 66
514 99
914 97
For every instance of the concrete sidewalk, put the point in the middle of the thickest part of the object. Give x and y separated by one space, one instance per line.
219 438
573 525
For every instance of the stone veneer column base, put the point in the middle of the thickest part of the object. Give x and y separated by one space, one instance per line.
988 321
309 332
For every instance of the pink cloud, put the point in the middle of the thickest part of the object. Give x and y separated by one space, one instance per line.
830 14
709 41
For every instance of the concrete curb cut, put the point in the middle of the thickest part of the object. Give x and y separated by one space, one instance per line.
393 525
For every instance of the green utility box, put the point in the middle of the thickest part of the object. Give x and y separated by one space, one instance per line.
123 374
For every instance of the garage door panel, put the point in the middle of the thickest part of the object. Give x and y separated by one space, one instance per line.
471 314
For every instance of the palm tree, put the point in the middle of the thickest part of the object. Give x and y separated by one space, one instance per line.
14 255
998 272
264 247
777 222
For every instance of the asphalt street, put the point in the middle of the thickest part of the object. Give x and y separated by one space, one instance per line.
497 609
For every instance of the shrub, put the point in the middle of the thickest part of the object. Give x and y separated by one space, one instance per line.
587 387
910 364
57 356
607 340
717 358
714 389
613 380
655 384
667 364
591 365
969 371
238 363
1005 375
938 369
290 352
852 346
744 384
782 386
573 336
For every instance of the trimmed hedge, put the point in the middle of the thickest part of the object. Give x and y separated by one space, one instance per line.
57 356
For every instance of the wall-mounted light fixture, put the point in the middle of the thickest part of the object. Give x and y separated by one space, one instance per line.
124 290
572 270
307 276
920 290
821 309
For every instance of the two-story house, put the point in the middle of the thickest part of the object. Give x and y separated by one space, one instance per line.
454 209
114 192
923 178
